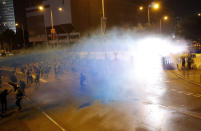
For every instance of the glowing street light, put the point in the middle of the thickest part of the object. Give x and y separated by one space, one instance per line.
23 34
164 18
141 8
16 24
199 14
60 9
155 6
53 32
41 8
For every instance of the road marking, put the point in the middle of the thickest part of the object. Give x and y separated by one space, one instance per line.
173 90
192 114
180 92
167 81
197 95
188 93
53 121
47 116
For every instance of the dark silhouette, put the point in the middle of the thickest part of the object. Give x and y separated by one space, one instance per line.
183 62
37 80
82 80
3 97
22 85
19 96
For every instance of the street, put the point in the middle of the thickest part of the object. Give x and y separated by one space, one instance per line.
166 103
100 65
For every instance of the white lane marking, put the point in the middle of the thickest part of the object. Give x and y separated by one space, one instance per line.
192 114
188 93
180 92
53 121
173 90
47 116
197 95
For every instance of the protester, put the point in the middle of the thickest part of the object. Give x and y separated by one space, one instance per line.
3 98
82 81
22 85
19 96
37 80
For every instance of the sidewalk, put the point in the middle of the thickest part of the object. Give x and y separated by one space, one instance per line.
193 76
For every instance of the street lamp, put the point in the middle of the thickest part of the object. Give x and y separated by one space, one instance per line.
156 6
141 8
103 18
199 14
22 27
153 5
60 9
164 18
53 31
41 8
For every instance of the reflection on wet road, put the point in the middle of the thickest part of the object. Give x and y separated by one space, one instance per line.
114 98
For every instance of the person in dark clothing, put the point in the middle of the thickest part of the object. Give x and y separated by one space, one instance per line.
189 61
37 80
82 80
3 97
19 96
29 77
183 62
13 78
22 85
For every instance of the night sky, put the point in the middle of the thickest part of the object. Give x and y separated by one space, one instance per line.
184 7
86 13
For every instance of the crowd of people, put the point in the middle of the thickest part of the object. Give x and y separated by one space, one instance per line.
29 74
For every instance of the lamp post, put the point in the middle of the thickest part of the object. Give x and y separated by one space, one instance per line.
22 27
164 18
153 5
41 8
53 31
103 18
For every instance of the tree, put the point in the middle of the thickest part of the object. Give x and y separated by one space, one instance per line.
8 37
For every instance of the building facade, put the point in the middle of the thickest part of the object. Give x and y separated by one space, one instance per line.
39 22
7 15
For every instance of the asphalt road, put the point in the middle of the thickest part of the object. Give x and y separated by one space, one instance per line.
167 103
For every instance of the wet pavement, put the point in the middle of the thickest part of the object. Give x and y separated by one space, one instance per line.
168 104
